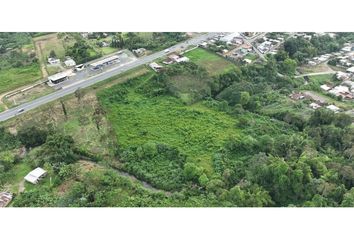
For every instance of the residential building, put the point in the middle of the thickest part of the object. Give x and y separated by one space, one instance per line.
36 175
156 67
5 199
53 61
314 105
333 108
69 62
325 87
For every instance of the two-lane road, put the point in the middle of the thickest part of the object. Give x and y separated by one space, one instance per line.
10 113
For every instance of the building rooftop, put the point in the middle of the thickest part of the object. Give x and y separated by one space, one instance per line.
58 76
35 175
104 61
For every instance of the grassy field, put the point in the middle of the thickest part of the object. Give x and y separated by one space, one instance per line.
50 42
213 63
196 130
16 77
251 56
323 67
321 79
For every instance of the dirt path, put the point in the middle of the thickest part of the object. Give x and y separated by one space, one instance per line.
38 47
21 186
315 74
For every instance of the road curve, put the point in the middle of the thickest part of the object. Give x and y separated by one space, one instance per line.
10 113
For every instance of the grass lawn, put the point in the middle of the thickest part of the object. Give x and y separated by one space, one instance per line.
108 50
50 42
321 79
196 130
323 67
53 69
16 175
16 77
213 63
251 56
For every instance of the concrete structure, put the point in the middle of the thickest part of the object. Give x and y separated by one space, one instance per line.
58 78
104 62
5 199
36 175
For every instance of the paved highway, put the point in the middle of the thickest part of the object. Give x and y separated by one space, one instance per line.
10 113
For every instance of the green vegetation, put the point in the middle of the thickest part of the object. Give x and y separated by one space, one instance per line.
202 133
150 41
18 62
213 63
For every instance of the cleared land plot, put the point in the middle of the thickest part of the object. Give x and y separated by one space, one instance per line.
13 78
323 67
50 42
213 63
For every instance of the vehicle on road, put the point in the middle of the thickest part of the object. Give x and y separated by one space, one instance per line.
167 50
20 110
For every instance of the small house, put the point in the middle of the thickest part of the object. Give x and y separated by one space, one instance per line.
333 108
314 105
5 199
69 62
36 175
53 61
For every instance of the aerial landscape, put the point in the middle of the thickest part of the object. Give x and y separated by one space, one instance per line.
176 119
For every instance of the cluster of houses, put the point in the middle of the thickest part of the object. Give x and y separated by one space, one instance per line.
316 104
229 45
171 59
343 90
268 44
344 58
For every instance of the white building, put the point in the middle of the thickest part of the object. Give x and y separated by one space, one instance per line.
53 61
106 61
333 108
325 87
36 175
57 78
69 62
156 67
351 70
315 106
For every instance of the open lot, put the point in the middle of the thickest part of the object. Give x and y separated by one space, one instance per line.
196 130
13 78
213 63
